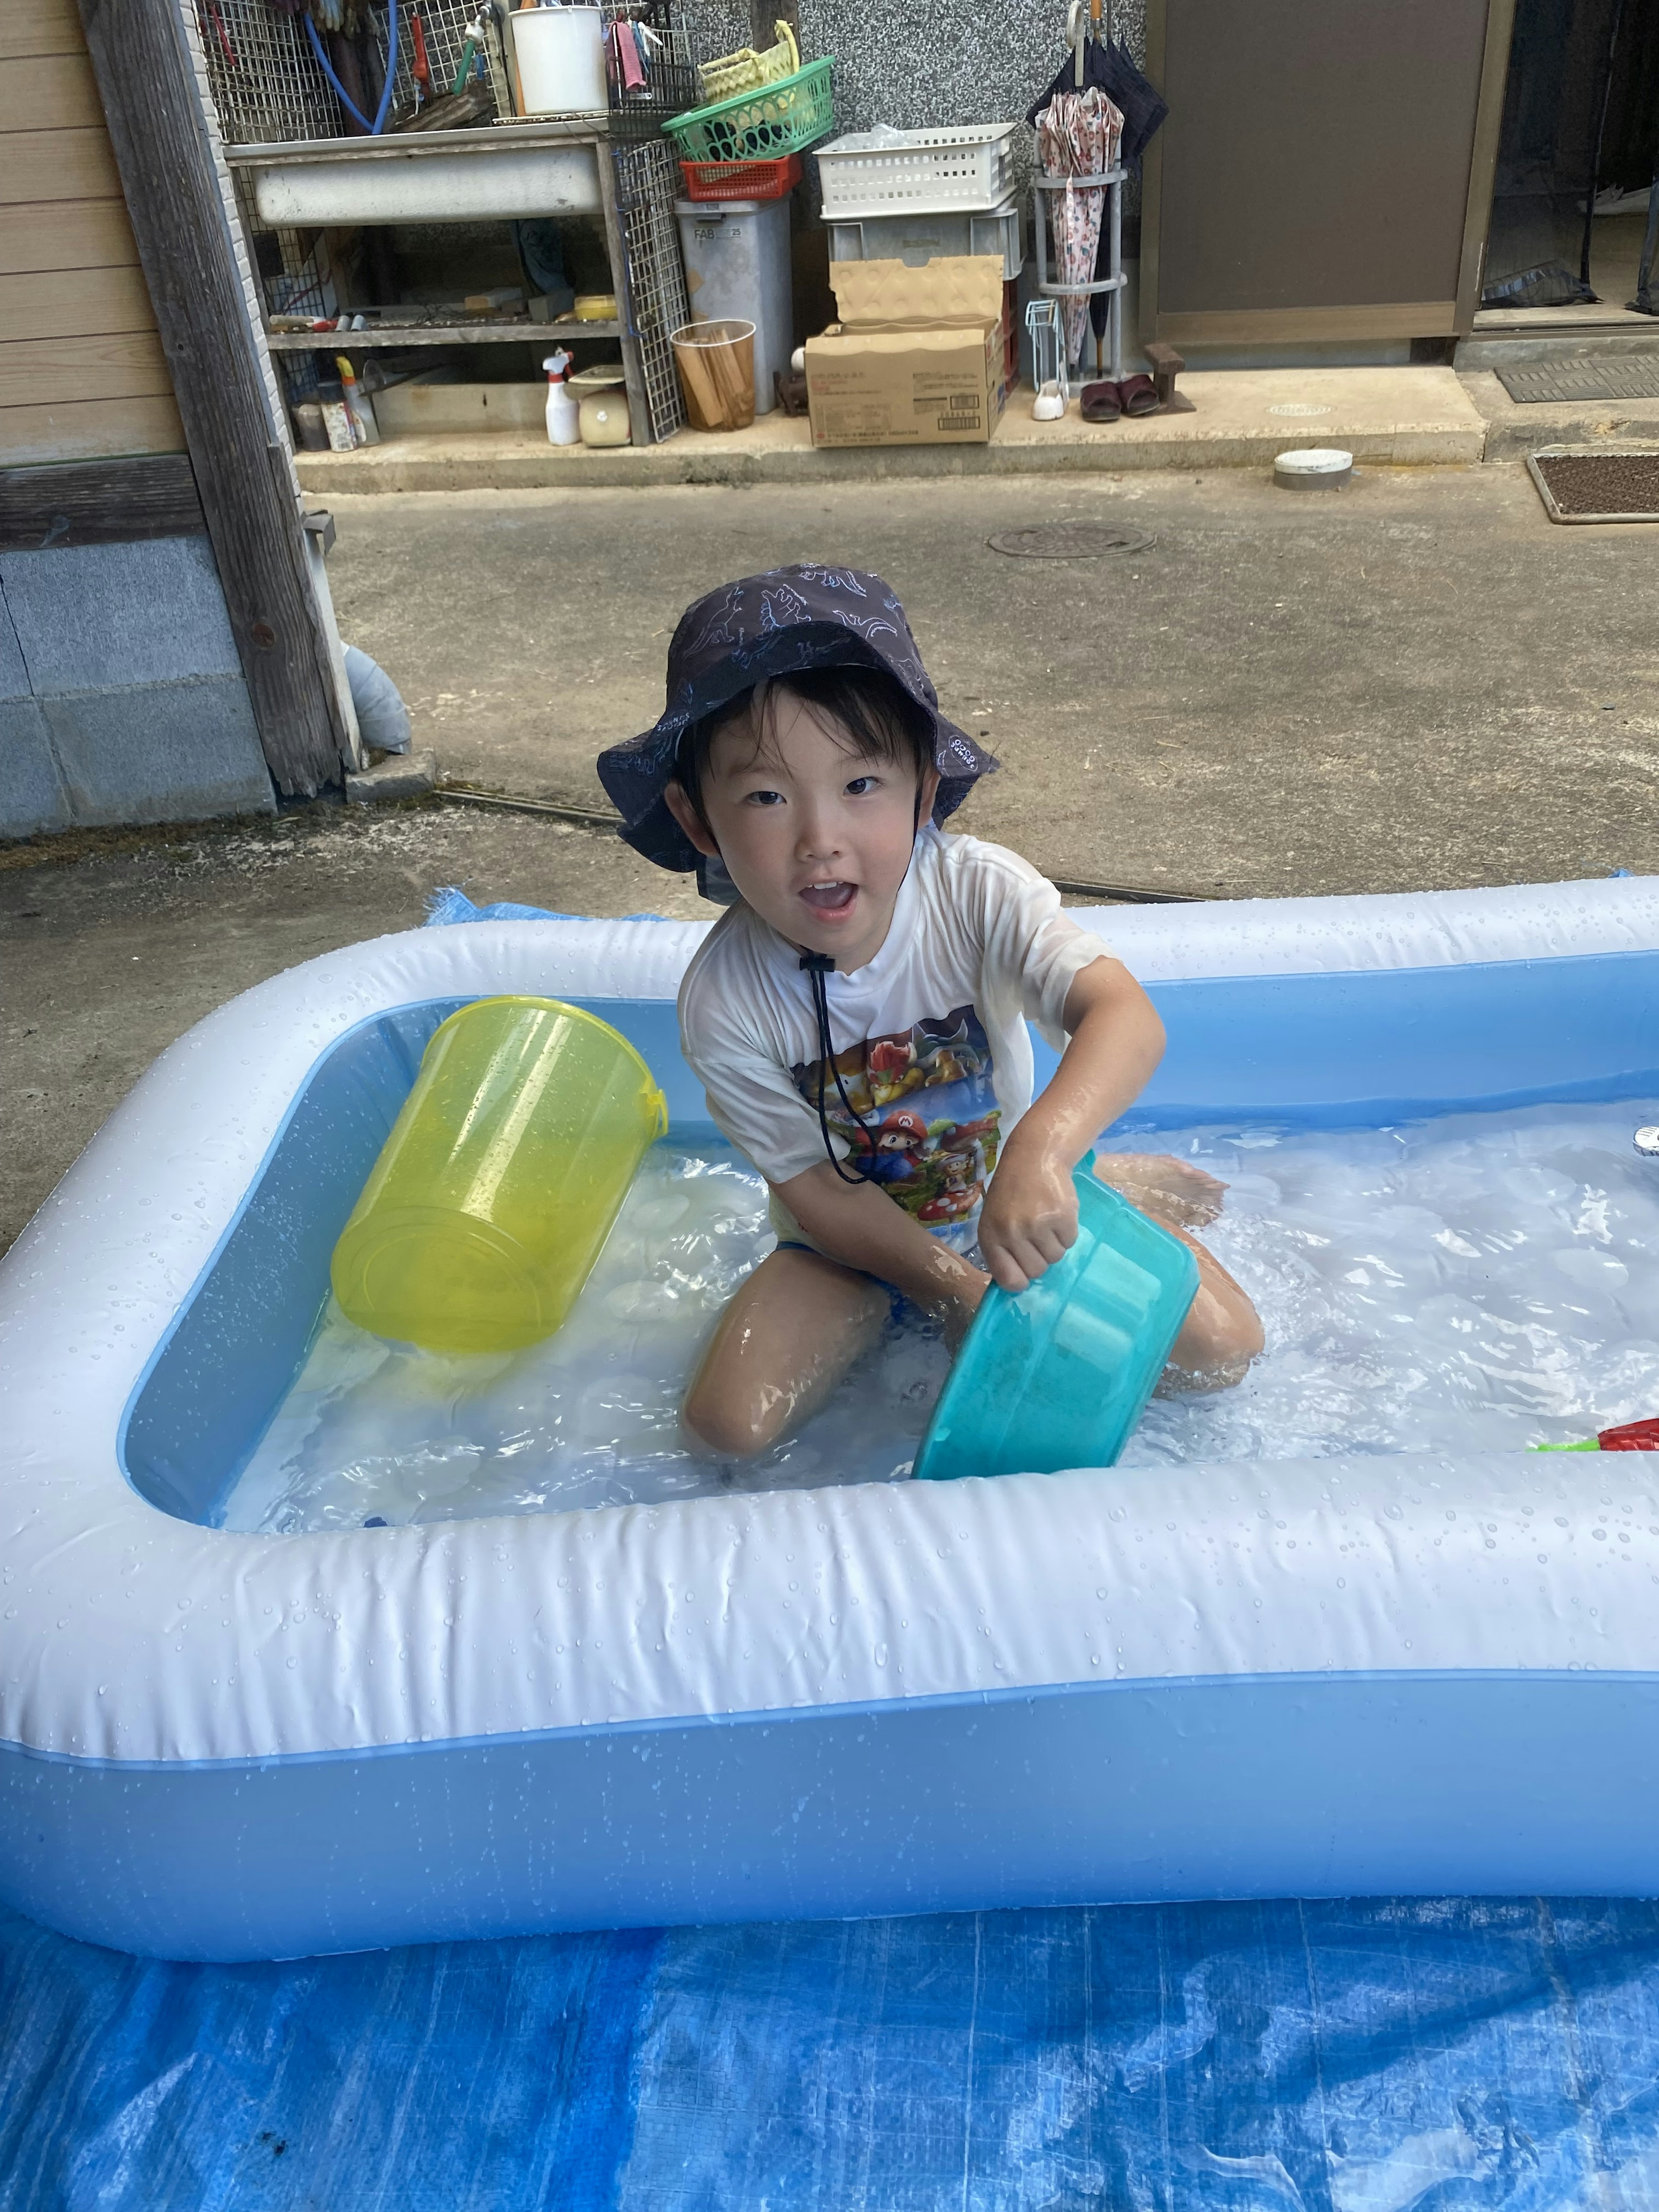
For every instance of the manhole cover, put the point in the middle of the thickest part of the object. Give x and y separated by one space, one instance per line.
1070 541
1598 487
1300 407
1636 376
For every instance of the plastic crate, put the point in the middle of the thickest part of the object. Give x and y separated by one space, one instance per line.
760 127
969 166
741 180
916 237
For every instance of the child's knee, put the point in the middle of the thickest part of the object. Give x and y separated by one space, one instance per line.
736 1423
1219 1340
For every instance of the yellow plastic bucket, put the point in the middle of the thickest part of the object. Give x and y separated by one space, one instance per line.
496 1189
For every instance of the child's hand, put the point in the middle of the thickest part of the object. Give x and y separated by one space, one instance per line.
1029 1220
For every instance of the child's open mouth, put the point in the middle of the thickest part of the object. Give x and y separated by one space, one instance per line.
831 901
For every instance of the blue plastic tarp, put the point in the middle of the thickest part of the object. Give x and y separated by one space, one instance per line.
1403 2056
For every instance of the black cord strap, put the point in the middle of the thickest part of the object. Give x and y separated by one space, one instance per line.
818 965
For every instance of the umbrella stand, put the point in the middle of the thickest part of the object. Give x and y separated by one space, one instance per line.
1111 182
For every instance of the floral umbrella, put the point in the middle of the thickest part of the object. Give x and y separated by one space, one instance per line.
1077 135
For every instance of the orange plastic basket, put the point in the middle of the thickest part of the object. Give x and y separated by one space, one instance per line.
741 180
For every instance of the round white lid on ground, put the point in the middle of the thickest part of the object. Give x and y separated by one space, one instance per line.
1313 468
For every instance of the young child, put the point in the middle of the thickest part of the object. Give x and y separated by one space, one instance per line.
858 1017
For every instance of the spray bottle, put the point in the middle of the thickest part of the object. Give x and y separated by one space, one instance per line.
563 416
359 406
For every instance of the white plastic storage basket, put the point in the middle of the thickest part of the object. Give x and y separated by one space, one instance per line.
916 237
969 166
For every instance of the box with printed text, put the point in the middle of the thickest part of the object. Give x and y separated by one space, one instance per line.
917 358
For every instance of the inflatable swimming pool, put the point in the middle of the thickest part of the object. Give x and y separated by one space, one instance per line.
1354 1676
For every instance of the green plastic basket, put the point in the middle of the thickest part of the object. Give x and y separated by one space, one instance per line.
778 118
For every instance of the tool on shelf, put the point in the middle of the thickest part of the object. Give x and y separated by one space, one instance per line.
377 126
419 69
473 39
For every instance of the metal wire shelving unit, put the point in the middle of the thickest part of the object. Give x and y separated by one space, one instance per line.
273 101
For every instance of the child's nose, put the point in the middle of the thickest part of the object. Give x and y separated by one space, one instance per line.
817 838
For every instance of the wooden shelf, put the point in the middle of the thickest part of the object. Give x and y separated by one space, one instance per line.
431 334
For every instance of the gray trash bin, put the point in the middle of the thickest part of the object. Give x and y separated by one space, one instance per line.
737 264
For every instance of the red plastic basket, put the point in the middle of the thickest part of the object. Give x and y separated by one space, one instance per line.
741 180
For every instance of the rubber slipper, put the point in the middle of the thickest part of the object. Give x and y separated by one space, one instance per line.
1101 403
1140 395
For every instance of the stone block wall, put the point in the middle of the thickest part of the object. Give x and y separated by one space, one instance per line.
121 694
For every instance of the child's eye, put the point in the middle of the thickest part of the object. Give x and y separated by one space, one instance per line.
765 798
861 785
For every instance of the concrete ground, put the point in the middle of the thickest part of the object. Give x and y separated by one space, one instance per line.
1401 417
1417 683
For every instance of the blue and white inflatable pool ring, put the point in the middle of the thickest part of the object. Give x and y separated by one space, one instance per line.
1344 1677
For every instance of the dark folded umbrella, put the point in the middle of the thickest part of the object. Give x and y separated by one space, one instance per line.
1142 106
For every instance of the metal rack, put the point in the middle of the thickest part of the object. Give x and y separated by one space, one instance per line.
633 185
1111 181
276 110
268 88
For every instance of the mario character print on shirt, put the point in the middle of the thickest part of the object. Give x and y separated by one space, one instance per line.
924 1122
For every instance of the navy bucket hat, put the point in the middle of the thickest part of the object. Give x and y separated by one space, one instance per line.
759 628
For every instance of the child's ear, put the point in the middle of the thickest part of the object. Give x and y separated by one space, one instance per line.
692 822
926 795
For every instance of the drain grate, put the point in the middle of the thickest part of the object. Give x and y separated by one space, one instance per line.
1070 541
1597 487
1635 376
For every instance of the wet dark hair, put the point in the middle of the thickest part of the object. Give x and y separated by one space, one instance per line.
869 710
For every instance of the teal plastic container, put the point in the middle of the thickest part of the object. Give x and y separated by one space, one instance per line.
1059 1375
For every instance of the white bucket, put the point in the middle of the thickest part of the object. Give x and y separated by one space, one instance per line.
560 60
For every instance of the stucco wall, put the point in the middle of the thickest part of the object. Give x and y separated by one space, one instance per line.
920 65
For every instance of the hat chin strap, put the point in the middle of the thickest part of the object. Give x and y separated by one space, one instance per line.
818 965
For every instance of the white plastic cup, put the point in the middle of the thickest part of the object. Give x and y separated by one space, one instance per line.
559 58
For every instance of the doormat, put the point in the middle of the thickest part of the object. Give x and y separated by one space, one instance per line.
1596 484
1627 376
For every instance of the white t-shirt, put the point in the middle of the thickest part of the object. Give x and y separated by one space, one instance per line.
929 1037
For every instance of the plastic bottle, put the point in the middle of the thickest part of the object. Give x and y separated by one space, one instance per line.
563 416
337 416
359 405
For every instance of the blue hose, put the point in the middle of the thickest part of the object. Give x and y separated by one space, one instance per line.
345 100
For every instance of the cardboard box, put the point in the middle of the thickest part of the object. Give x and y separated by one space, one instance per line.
917 357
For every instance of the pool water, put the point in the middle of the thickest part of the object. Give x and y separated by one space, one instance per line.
1479 1282
592 1416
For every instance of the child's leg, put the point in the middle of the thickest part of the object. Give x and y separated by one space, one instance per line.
1222 1333
789 1334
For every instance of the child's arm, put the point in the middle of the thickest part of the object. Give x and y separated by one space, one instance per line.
1116 1041
1029 1218
861 1226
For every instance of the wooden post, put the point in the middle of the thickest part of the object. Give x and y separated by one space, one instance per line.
178 196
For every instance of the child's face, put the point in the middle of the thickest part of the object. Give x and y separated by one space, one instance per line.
817 839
